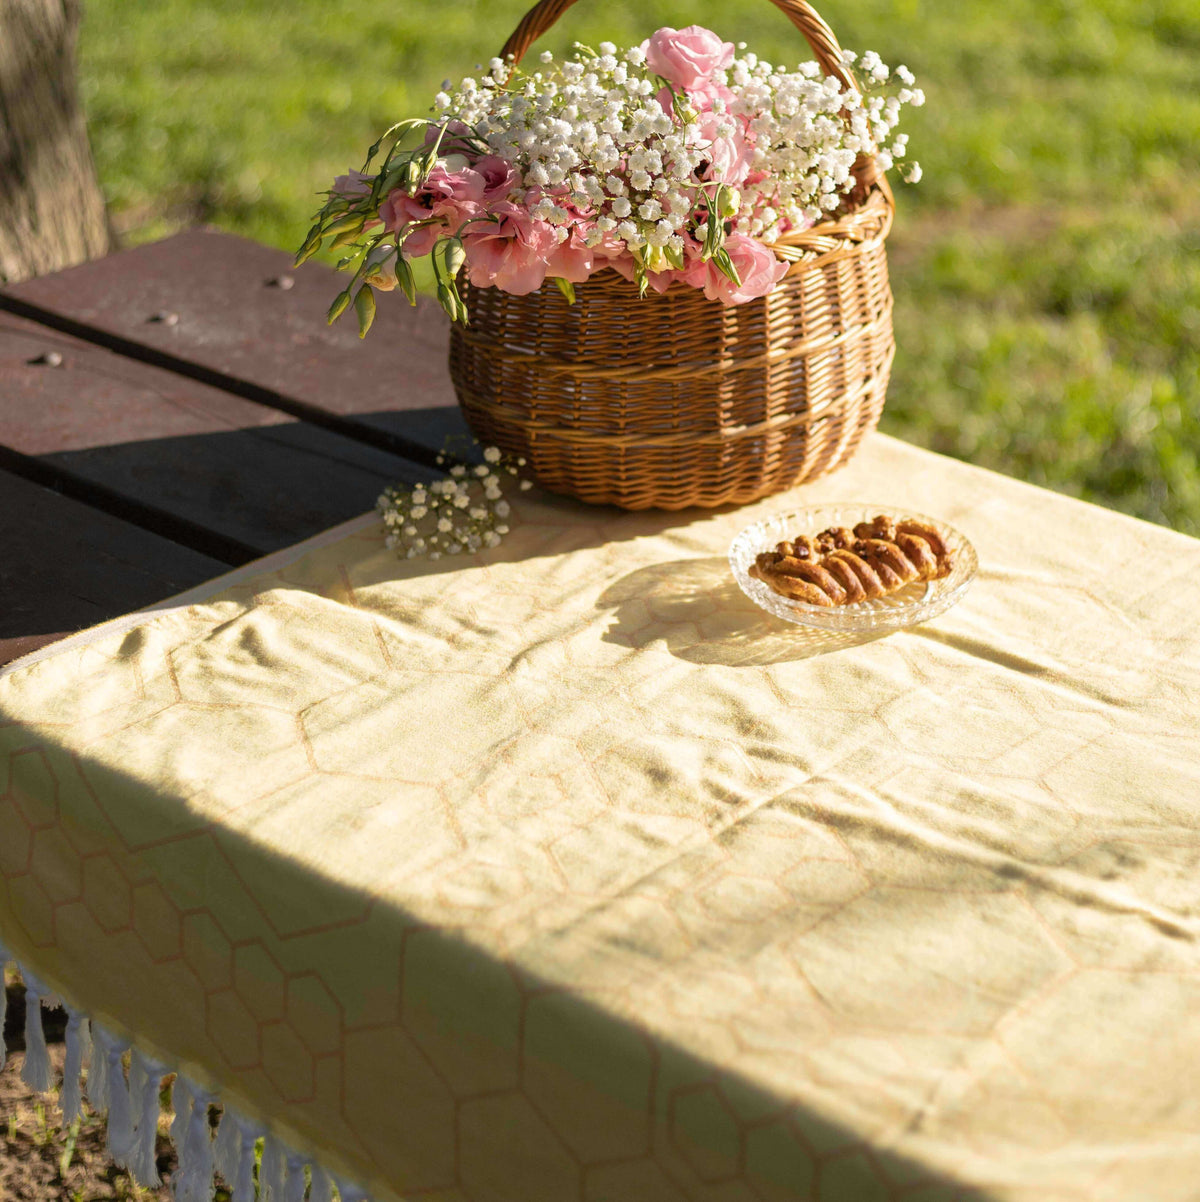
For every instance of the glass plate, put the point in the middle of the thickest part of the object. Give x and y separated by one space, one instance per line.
916 602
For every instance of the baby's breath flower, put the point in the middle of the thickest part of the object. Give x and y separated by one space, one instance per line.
465 520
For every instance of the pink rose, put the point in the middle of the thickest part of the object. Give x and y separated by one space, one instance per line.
701 98
757 267
511 253
687 57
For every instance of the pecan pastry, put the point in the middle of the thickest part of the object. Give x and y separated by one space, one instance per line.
840 566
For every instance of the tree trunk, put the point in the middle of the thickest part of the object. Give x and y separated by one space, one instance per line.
51 207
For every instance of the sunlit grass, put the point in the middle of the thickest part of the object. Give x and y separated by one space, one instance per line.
1046 271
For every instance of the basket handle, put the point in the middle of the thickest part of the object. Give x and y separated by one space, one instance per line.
543 15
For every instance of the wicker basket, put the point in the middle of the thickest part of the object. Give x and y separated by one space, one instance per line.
673 400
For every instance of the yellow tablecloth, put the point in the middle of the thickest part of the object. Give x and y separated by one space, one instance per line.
564 874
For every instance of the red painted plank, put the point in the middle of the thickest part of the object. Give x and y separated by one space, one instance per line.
230 306
66 566
185 458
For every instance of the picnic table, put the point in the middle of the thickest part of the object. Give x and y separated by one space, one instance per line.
561 873
181 409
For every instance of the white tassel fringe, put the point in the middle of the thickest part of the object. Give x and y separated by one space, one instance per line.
71 1098
227 1147
5 959
293 1191
195 1182
97 1080
349 1191
36 1073
111 1049
322 1186
145 1083
181 1103
243 1180
133 1108
271 1171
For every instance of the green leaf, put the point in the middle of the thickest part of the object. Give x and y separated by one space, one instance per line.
364 306
340 303
674 257
566 288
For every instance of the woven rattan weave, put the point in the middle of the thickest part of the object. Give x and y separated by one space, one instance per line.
673 400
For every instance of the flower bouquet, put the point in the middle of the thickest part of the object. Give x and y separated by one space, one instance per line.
649 256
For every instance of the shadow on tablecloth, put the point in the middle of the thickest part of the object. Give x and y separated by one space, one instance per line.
695 607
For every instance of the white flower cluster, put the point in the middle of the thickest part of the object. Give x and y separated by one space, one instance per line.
461 514
608 140
807 133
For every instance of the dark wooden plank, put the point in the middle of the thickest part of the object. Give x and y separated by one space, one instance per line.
66 566
211 470
237 314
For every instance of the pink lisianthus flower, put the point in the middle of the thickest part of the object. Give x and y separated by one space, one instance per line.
510 253
452 140
659 281
500 177
729 158
570 260
757 267
687 57
453 187
352 185
400 211
448 198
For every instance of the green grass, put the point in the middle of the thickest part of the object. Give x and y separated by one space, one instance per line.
1046 270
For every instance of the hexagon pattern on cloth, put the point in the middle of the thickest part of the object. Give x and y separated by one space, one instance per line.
561 873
